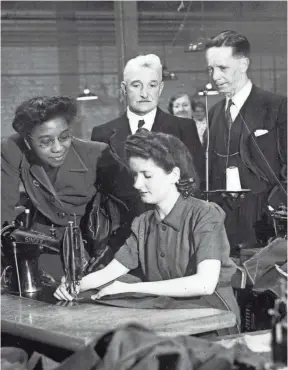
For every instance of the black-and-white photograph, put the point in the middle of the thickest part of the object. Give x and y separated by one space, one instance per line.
144 185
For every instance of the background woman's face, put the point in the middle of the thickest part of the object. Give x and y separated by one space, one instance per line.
153 183
199 114
51 141
182 107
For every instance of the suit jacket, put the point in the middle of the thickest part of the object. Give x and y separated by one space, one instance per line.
117 131
262 110
72 190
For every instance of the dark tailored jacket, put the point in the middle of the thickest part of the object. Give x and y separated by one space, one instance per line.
265 111
117 132
74 186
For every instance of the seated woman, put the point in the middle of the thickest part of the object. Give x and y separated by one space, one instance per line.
56 170
181 244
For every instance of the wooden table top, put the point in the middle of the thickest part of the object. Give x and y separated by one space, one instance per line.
71 327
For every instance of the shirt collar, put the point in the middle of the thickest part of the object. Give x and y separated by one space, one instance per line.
241 96
203 121
133 118
175 216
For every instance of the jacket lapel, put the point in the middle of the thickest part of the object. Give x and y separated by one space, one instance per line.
158 121
40 175
214 123
253 114
72 166
119 136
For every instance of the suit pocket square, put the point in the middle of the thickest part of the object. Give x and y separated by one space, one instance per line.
260 132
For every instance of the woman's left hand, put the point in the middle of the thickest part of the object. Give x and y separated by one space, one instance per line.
114 288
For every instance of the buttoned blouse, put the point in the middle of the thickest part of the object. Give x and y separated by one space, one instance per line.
171 248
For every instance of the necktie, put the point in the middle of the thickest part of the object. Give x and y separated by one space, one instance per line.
228 114
141 123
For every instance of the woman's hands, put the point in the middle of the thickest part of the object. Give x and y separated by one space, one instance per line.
65 291
114 288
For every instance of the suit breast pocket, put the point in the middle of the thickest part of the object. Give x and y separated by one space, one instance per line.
266 140
264 150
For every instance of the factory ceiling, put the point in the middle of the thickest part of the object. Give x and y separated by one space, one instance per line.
37 22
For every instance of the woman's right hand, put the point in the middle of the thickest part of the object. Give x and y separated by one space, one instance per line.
63 292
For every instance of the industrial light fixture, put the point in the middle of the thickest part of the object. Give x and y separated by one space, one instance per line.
208 90
87 94
166 74
199 44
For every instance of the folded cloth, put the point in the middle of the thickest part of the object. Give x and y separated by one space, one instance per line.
13 358
134 347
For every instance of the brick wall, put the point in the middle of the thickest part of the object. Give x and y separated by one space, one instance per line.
28 71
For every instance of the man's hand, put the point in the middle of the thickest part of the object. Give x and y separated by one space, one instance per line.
65 292
114 288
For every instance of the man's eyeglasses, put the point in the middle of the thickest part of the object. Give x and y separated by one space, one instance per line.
49 141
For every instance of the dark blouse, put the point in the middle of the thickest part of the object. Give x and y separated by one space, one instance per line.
173 247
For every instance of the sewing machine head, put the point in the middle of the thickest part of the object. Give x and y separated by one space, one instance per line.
21 248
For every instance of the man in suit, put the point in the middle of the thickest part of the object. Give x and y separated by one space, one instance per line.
142 85
247 131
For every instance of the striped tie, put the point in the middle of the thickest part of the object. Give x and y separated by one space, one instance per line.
228 113
141 123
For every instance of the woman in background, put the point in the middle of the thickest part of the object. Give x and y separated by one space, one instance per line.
182 105
181 245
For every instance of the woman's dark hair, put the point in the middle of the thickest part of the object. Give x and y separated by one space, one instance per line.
167 151
175 97
239 43
38 110
198 104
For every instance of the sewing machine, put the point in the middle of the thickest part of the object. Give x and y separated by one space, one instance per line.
21 249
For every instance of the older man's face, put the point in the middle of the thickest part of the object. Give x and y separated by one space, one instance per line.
227 71
143 87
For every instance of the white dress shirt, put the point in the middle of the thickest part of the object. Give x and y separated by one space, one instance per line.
239 99
201 128
134 119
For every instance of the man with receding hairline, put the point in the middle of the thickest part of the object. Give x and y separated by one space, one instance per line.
248 130
142 86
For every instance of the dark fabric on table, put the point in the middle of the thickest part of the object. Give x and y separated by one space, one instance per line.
139 301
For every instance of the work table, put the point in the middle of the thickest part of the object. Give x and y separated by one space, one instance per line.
73 326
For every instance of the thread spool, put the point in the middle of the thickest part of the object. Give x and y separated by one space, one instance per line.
233 179
27 218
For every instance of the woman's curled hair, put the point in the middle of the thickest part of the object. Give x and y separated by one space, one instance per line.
167 152
38 110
